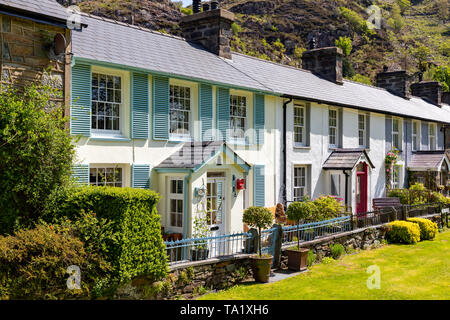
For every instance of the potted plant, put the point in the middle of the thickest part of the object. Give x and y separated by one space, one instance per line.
259 218
200 249
299 211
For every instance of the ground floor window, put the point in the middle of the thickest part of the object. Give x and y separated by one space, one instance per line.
335 185
176 202
299 183
106 176
396 173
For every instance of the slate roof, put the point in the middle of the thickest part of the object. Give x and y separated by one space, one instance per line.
345 159
45 8
423 160
193 155
121 44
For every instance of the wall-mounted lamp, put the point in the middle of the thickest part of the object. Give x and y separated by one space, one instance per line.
200 192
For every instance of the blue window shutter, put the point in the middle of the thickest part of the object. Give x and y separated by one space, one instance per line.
259 199
139 107
259 117
223 111
219 200
140 176
161 108
80 173
206 111
80 110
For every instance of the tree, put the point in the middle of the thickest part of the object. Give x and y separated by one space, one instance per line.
396 21
404 5
298 211
260 218
345 43
442 74
36 154
422 55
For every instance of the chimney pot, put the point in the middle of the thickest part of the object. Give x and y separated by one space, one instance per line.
214 5
205 7
196 6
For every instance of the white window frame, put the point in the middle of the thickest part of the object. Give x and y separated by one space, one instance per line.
120 105
432 143
397 133
181 136
301 125
107 168
362 131
233 131
396 184
338 191
335 128
178 197
415 136
299 186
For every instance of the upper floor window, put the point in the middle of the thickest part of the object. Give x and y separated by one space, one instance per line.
238 116
415 135
106 176
432 136
299 183
396 134
362 130
176 202
332 127
299 125
106 102
180 110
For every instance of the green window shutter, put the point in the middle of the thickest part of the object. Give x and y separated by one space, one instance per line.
308 124
80 110
223 111
161 108
140 176
259 117
259 199
80 173
139 107
206 111
368 130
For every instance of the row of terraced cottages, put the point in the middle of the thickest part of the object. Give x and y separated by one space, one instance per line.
216 131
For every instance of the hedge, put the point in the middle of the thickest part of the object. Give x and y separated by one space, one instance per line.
428 229
403 232
139 248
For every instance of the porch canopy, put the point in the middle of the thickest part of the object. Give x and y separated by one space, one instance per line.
346 159
428 160
194 155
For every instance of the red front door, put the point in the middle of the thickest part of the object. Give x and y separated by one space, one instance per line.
361 188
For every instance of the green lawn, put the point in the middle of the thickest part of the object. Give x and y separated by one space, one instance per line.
419 271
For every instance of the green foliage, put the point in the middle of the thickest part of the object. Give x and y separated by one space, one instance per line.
428 229
327 260
442 74
358 23
345 43
187 11
311 258
347 68
137 246
403 5
327 207
403 232
236 28
298 53
422 55
274 28
36 154
260 218
337 250
33 265
415 195
298 211
362 79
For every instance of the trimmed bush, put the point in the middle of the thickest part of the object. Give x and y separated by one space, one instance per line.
337 250
260 218
33 265
403 232
428 229
326 207
138 248
311 258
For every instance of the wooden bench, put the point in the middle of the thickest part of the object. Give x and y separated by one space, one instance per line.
380 203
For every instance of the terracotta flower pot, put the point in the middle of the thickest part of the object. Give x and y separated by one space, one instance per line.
297 259
261 268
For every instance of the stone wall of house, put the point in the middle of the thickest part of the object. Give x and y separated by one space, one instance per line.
27 55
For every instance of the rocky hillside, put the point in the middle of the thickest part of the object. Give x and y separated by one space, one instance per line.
411 34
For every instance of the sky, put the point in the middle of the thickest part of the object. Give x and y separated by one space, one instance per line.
185 2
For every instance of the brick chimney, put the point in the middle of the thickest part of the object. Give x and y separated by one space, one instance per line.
445 97
396 82
325 62
211 29
428 90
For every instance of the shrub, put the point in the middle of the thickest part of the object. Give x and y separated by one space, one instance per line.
327 260
33 265
311 258
337 250
327 207
298 211
260 218
131 214
403 232
36 154
428 229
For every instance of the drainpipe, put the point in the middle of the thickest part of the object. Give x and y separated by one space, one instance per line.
284 184
346 186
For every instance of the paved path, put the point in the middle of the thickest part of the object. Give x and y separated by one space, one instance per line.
279 275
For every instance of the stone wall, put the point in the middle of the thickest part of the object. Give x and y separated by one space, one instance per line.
27 55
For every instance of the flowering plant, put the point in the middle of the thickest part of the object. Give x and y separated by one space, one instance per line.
391 157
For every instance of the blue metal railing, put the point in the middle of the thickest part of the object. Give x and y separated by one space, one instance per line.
197 249
314 230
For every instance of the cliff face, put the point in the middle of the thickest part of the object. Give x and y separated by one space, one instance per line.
279 30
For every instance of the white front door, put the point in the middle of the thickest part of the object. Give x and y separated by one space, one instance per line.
215 201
